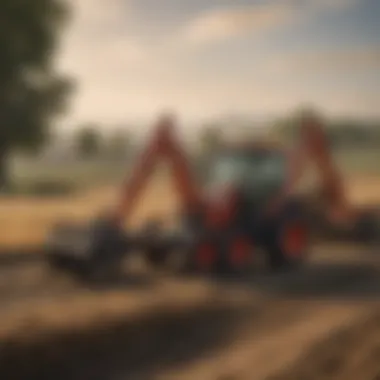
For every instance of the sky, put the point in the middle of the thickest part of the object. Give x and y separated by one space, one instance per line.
134 59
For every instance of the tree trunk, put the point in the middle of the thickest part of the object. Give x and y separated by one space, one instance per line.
4 172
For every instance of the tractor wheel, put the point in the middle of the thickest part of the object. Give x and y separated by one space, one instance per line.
228 256
236 257
203 257
86 251
155 247
58 261
289 243
61 249
63 263
367 229
157 257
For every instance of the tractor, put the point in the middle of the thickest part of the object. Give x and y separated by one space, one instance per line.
246 203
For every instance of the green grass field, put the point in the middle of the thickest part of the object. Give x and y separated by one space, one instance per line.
81 174
352 163
356 162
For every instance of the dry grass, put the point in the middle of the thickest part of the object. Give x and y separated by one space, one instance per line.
25 222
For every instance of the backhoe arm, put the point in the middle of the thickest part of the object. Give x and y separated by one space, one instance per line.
185 184
162 146
314 146
318 145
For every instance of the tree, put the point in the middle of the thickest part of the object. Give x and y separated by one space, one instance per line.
287 128
88 141
119 144
32 93
209 140
354 133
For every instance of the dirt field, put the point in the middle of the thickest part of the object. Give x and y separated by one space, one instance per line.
320 323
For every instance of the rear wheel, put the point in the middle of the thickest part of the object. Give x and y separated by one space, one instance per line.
203 256
289 242
367 229
236 257
156 250
157 257
227 255
87 251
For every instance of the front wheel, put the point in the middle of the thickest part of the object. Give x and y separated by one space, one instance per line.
236 255
288 245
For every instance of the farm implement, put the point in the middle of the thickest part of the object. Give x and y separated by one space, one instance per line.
247 203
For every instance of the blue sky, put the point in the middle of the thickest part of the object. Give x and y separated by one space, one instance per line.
136 58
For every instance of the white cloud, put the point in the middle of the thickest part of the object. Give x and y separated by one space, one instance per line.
221 23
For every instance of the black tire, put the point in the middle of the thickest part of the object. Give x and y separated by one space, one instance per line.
108 248
57 261
235 256
212 256
367 228
152 240
62 263
203 256
61 258
280 256
104 250
157 257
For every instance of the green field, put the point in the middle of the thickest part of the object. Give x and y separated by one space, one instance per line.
99 172
82 173
356 162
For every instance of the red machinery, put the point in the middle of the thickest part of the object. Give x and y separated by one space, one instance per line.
248 202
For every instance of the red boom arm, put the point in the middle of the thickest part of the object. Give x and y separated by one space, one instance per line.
163 145
314 146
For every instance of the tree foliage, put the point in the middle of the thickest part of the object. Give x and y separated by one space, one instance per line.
210 139
32 93
287 127
88 141
341 132
119 144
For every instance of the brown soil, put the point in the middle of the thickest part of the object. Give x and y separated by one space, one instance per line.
352 353
321 323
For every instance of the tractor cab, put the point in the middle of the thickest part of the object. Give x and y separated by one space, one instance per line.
256 171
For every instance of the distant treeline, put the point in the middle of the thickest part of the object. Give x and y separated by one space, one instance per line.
341 133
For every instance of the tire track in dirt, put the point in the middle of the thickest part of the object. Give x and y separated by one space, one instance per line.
244 330
145 344
257 356
351 353
151 340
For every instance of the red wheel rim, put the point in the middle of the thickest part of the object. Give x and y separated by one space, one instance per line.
206 256
295 240
240 251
